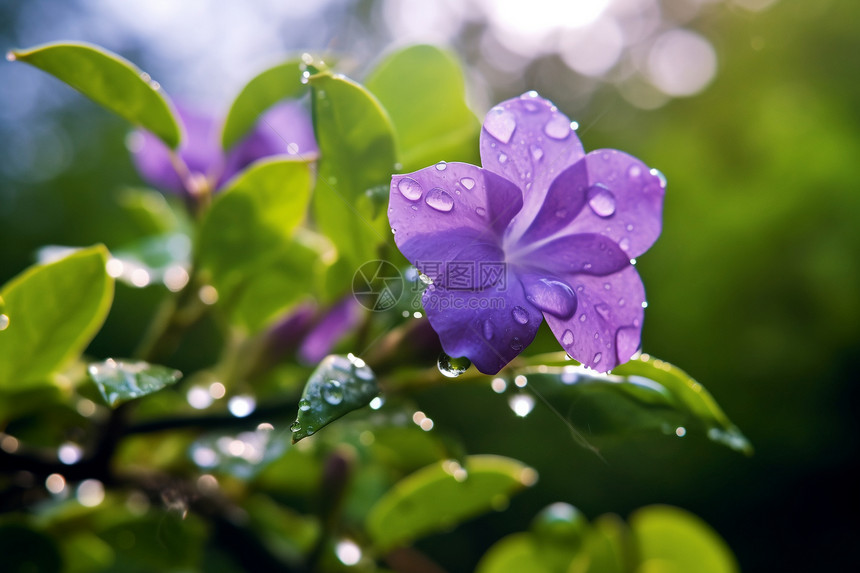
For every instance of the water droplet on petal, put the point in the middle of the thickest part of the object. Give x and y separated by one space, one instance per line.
488 329
659 175
552 296
304 405
582 317
561 213
452 367
629 227
558 127
603 310
586 266
567 338
625 245
601 200
520 314
441 166
537 152
502 158
332 392
439 200
516 344
467 182
500 123
634 172
410 188
607 286
597 358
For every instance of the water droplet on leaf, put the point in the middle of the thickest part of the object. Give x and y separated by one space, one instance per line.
4 322
410 188
295 426
439 199
332 392
601 200
304 405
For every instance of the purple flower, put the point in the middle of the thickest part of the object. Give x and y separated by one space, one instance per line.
285 129
543 230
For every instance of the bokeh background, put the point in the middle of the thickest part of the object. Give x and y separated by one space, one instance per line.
749 107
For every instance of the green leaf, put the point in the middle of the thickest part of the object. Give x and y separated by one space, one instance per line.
163 258
119 381
357 154
516 553
109 80
422 89
336 387
442 495
643 394
671 540
246 240
53 311
262 92
606 548
25 549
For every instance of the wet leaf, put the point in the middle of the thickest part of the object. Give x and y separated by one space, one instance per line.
338 386
422 89
670 539
53 311
440 496
357 153
274 84
119 381
109 80
516 553
643 394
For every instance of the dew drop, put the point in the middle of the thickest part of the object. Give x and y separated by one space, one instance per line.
332 392
414 207
306 76
537 152
480 211
516 344
629 227
520 314
561 213
659 175
500 123
4 322
601 200
621 302
10 56
439 199
586 266
488 329
625 245
502 158
441 166
597 358
603 310
410 188
295 426
452 367
607 286
567 338
304 405
558 127
468 183
582 317
634 172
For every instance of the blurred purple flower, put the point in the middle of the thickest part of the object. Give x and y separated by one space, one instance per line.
542 230
285 129
334 325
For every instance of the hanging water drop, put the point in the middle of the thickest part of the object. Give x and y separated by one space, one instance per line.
410 188
452 367
659 175
332 392
441 166
500 123
468 183
439 199
558 127
520 314
601 200
295 427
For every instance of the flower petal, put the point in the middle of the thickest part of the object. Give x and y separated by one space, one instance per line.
285 129
606 329
608 192
528 141
489 326
586 253
334 325
199 151
472 202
